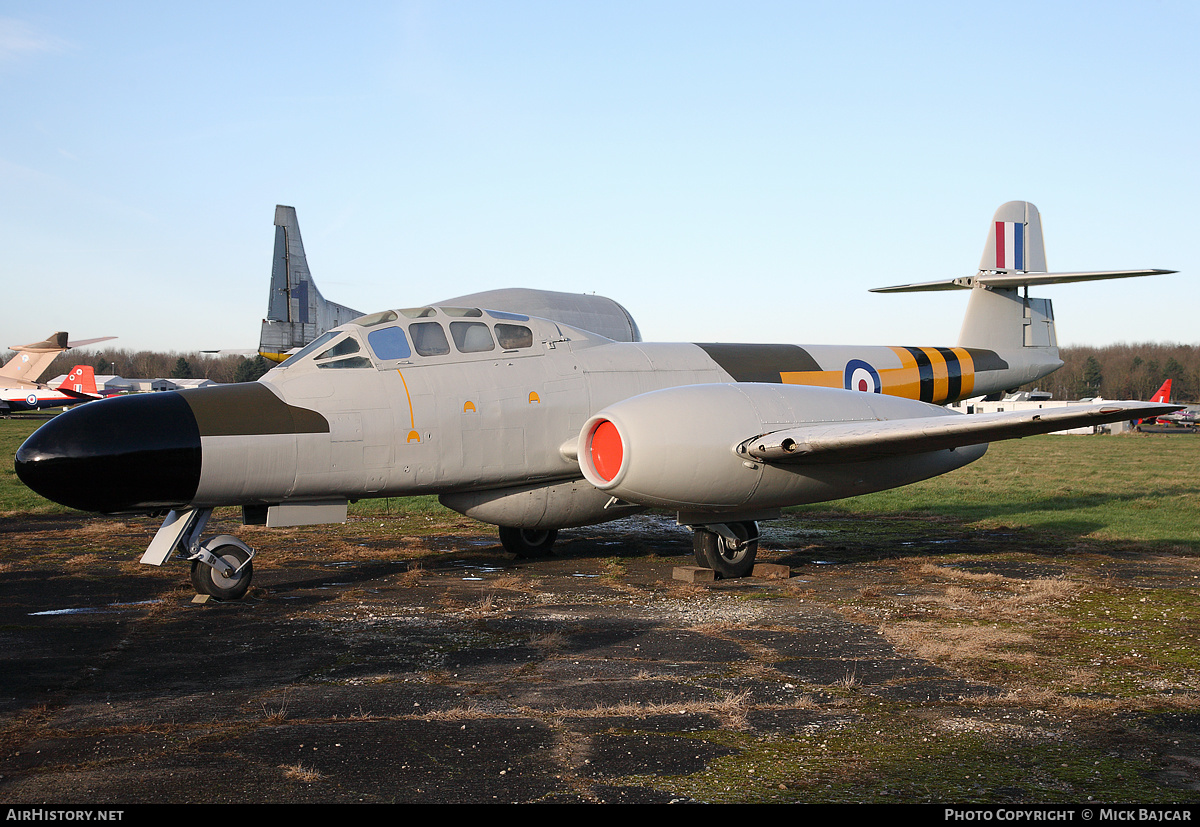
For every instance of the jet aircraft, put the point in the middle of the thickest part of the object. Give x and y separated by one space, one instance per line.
1186 418
78 387
535 425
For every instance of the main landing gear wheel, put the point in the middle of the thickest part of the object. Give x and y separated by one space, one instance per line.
527 542
224 581
727 556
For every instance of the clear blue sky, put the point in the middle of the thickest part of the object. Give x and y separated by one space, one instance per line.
737 171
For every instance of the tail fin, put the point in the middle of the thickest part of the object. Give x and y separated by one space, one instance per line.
1163 394
1001 321
297 313
1014 242
81 379
31 361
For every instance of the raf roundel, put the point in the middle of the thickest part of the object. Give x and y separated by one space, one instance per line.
860 376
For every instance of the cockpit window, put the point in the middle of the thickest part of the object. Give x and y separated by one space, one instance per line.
389 343
463 312
342 356
352 362
471 337
345 347
513 336
313 346
429 338
376 318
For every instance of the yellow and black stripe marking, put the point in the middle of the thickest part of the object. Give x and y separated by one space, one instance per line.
931 374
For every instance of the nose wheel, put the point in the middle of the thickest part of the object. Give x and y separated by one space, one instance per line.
228 575
222 567
728 549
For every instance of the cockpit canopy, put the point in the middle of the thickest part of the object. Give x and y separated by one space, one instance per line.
380 340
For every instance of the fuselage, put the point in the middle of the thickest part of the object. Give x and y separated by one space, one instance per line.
440 400
28 399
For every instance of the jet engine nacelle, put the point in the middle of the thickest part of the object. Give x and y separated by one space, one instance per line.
678 448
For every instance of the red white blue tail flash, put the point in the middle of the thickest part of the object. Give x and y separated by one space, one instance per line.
1010 245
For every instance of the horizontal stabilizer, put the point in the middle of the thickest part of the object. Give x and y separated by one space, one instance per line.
1016 279
80 395
54 342
85 342
853 441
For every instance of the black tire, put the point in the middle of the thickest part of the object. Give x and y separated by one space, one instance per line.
528 542
216 583
715 552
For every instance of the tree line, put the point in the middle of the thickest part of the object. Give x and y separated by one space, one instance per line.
1125 371
1120 371
146 364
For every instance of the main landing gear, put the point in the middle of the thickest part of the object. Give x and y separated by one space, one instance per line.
222 566
726 548
527 542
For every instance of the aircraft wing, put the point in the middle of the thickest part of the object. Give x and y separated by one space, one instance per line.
849 441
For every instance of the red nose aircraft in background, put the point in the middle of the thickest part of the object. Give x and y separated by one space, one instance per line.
538 411
79 386
1187 418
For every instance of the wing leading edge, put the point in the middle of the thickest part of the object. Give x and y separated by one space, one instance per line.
852 441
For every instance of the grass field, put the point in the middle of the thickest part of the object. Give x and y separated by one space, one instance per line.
1136 488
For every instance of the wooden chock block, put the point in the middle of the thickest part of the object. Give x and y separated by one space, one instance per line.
694 574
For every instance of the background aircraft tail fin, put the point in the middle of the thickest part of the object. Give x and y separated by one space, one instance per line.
32 360
1163 394
81 379
297 313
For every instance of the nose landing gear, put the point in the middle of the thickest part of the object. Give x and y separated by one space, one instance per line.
222 566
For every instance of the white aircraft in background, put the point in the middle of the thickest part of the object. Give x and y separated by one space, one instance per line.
20 389
297 313
78 387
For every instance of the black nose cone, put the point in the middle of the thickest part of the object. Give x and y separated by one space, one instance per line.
120 455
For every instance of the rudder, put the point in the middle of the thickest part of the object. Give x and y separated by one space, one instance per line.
1014 241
